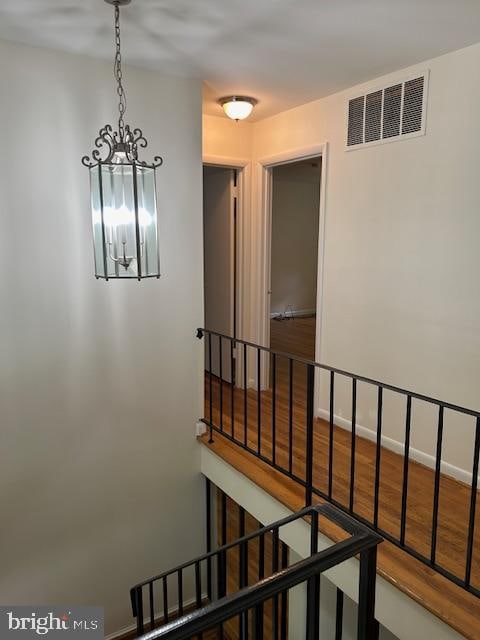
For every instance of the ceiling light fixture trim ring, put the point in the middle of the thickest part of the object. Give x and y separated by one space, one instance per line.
235 98
118 3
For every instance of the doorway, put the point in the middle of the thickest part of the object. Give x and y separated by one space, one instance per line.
295 210
220 249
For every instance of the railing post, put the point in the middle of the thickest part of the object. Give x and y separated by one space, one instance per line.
367 625
309 443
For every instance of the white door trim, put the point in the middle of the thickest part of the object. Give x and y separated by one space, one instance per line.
261 264
225 161
244 190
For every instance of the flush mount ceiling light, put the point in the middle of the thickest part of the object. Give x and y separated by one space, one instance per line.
237 107
123 195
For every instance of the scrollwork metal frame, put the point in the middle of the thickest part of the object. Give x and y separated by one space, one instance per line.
111 143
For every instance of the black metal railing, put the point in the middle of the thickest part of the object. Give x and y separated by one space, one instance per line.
252 419
211 608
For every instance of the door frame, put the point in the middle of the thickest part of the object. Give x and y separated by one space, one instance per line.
243 166
262 264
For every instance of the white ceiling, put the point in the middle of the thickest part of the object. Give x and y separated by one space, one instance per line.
283 52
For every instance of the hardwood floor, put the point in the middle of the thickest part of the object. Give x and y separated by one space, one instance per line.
451 603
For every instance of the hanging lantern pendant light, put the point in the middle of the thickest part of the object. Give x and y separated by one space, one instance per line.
123 194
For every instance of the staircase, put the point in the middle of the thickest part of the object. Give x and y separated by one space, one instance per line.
256 600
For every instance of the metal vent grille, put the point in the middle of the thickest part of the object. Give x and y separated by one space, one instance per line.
355 121
392 112
392 104
373 116
412 105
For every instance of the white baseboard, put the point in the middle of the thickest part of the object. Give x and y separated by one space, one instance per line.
158 616
398 447
295 313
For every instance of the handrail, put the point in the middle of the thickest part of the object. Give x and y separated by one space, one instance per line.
247 598
385 385
348 524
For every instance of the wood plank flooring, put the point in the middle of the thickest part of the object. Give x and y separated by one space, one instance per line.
443 598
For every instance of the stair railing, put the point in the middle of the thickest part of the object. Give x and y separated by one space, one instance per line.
213 607
234 407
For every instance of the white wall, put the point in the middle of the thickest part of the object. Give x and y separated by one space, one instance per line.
100 383
227 138
295 209
401 299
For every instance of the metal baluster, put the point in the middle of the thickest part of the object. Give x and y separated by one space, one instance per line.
261 556
139 599
258 622
352 452
330 442
259 402
209 537
198 591
221 581
198 585
274 393
275 546
284 597
378 455
245 423
218 556
290 416
152 612
210 390
223 543
473 504
436 490
339 615
180 592
232 386
406 457
165 599
309 438
220 372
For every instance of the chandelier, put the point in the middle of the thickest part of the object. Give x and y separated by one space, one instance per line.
123 194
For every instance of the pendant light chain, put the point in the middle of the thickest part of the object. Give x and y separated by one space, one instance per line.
122 104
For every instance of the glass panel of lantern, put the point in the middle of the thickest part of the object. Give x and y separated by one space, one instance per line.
124 219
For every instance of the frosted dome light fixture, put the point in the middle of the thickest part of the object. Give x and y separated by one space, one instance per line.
123 193
237 107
